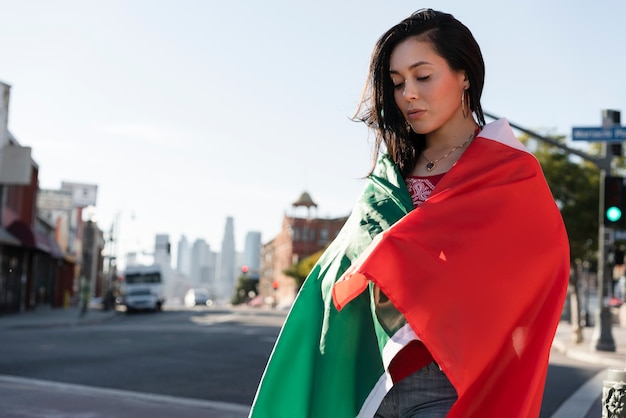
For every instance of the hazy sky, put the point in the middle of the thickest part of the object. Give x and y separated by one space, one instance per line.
185 112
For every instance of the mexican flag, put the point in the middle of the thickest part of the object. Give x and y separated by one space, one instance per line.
479 271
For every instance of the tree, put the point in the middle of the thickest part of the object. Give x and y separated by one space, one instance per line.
247 288
300 270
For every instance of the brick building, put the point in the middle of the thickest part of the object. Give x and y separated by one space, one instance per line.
302 235
40 236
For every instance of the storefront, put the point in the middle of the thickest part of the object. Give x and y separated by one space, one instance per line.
10 272
36 265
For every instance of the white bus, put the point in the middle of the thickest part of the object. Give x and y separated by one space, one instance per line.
142 288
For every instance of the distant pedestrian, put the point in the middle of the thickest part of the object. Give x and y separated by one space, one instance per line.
84 294
442 294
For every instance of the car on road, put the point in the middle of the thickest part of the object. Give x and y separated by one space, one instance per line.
197 297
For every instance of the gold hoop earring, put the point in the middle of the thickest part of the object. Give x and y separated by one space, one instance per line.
466 112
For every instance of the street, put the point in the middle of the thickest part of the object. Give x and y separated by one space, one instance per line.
201 353
565 376
207 354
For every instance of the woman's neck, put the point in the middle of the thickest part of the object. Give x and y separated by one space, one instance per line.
443 148
449 136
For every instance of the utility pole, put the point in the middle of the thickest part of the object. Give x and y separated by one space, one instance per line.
109 299
602 335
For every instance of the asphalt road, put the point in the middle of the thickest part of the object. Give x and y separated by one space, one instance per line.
207 354
565 376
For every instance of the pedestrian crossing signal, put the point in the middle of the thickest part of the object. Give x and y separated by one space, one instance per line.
614 202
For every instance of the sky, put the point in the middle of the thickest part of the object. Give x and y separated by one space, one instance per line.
186 112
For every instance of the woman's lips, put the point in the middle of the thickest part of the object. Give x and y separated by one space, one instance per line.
415 113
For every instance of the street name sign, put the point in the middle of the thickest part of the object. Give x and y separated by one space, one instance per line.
610 134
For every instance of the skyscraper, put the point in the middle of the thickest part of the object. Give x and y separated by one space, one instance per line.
200 265
227 276
252 252
183 257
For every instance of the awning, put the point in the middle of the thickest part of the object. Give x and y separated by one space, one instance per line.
29 238
7 239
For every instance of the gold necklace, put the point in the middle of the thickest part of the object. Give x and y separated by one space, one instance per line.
431 164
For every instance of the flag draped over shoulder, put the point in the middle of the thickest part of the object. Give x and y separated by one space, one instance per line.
326 363
479 271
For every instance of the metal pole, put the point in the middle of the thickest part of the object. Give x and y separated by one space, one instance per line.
602 339
614 387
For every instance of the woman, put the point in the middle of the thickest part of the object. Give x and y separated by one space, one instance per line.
442 294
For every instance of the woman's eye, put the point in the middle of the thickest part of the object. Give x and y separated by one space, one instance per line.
423 78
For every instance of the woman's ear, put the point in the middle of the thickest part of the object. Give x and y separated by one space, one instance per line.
465 80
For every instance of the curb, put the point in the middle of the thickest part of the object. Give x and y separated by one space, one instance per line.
586 356
66 322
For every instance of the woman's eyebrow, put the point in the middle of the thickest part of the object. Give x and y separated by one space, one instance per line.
411 67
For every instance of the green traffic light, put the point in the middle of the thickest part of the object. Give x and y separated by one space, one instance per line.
613 214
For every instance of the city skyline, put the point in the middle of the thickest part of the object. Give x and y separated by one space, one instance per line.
193 264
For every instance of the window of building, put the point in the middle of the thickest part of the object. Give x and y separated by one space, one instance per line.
324 235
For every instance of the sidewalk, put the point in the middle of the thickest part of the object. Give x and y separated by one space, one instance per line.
585 351
46 316
59 399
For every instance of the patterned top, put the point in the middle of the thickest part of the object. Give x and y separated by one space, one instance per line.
421 187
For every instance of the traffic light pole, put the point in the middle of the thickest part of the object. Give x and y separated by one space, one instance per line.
602 338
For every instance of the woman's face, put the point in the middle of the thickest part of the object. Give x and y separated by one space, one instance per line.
426 90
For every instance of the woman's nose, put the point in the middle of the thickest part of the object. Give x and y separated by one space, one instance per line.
410 90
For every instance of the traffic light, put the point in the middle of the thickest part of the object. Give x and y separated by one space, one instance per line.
614 202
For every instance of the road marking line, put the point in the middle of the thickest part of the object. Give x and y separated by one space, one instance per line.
578 404
90 390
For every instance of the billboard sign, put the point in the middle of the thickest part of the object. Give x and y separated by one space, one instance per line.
83 195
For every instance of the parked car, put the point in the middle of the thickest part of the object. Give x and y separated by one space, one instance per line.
197 297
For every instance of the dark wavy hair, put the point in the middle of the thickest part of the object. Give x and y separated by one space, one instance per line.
377 109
